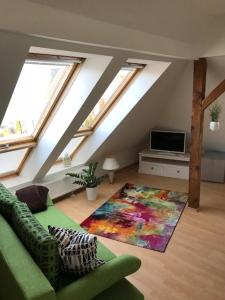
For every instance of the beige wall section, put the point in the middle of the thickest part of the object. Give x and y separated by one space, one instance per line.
177 113
216 73
177 109
169 28
35 19
214 44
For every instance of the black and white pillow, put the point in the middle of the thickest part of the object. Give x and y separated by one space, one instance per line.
78 250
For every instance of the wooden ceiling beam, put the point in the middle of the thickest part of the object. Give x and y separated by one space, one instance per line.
218 91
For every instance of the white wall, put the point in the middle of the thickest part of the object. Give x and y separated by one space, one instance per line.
196 35
177 112
40 20
134 130
128 101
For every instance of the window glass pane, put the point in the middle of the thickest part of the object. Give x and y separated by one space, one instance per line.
34 93
107 97
9 161
72 146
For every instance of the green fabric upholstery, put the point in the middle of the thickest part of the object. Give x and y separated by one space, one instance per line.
7 199
124 290
6 202
105 284
100 279
20 277
42 246
55 217
49 201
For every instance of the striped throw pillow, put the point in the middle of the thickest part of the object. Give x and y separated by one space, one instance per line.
78 250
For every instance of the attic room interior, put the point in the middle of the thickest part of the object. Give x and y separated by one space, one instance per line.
112 150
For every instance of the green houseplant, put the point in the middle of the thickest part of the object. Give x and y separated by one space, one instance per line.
214 112
88 179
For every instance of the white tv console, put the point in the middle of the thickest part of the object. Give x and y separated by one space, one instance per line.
164 164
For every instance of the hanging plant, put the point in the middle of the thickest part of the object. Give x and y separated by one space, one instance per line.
214 112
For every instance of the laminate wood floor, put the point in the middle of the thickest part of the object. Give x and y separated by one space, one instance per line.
193 266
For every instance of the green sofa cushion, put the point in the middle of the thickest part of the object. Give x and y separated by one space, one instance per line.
54 217
7 201
41 245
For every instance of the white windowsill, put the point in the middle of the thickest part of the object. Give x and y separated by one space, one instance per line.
58 183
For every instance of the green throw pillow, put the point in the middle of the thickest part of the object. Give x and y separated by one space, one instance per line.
7 200
41 245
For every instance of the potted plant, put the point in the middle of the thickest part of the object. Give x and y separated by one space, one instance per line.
214 114
88 179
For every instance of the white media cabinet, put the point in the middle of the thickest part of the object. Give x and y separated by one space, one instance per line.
164 164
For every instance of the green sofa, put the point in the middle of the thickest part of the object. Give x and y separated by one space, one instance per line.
21 278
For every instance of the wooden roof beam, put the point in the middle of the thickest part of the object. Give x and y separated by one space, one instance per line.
218 91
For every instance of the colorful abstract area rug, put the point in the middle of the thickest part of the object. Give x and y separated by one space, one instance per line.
138 215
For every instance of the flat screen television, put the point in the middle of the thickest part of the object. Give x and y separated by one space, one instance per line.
168 141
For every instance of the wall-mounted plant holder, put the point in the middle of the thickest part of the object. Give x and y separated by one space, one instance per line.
214 126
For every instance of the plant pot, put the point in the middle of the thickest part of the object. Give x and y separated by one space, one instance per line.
91 193
214 126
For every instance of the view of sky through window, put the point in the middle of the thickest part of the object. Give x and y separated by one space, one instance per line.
10 161
34 92
106 98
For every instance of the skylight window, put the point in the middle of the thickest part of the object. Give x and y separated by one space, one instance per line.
34 94
39 88
11 161
72 146
119 84
113 91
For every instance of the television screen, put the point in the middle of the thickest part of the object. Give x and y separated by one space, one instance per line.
168 141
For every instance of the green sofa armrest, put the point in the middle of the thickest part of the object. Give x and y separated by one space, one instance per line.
20 277
92 284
